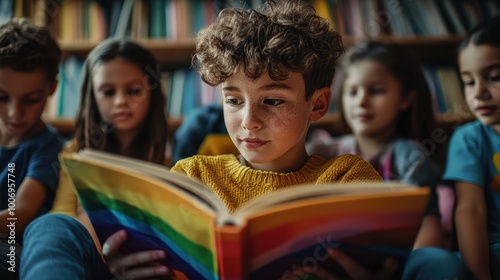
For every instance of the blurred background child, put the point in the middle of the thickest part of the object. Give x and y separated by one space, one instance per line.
121 111
384 101
474 154
203 132
29 61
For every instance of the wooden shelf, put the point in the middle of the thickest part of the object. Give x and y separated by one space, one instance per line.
66 127
177 51
408 40
63 126
442 49
454 119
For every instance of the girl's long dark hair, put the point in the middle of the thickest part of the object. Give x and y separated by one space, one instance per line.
418 121
91 132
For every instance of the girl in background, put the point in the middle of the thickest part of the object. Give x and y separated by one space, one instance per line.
122 112
474 155
385 101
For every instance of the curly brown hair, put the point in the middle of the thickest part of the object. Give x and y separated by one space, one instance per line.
26 47
278 38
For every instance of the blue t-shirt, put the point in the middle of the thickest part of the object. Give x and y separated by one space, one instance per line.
197 125
37 159
474 157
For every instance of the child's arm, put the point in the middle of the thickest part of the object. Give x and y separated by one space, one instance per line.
65 201
471 226
138 265
430 233
413 167
28 201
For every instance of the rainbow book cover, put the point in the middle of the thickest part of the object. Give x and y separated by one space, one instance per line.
276 236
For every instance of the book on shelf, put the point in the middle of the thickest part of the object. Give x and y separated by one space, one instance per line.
273 236
6 10
158 19
123 28
67 97
451 17
177 92
369 18
452 88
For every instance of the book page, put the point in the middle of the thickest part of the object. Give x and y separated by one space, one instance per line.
367 226
309 191
192 186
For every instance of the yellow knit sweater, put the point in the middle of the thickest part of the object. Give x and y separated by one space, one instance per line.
236 184
65 201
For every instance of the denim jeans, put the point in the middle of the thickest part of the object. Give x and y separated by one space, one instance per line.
435 263
58 247
9 259
495 260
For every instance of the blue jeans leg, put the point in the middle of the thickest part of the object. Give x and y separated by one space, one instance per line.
435 263
9 259
58 247
495 260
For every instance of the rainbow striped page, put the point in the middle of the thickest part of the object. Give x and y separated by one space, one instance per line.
276 236
154 215
294 237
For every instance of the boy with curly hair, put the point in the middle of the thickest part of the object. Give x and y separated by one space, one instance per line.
29 61
275 67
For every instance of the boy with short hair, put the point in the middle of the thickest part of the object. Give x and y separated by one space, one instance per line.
29 61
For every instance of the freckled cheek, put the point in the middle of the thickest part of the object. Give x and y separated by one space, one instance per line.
287 124
277 120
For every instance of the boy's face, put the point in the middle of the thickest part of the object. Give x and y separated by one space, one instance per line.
480 73
122 95
371 99
22 99
268 120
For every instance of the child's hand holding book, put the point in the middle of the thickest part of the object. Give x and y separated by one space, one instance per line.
136 265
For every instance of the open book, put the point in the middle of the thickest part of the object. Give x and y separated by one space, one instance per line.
272 237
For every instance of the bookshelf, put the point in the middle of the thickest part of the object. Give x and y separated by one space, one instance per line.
174 52
181 50
168 28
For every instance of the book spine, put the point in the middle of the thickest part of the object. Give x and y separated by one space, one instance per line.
230 256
